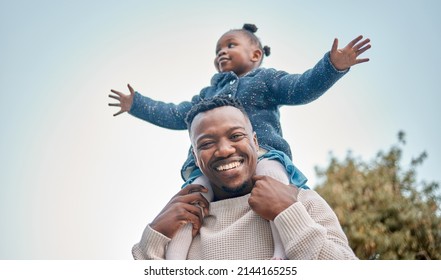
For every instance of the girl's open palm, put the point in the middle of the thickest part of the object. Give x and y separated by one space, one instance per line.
344 58
125 101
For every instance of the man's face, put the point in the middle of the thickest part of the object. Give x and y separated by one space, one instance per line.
225 148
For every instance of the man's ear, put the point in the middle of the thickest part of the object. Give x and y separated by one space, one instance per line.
195 158
255 140
257 55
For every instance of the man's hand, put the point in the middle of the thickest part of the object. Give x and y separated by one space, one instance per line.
125 101
187 206
270 197
344 58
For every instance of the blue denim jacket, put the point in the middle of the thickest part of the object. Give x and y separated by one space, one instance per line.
261 91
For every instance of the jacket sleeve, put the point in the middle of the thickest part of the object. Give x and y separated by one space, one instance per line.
151 247
298 89
167 115
310 228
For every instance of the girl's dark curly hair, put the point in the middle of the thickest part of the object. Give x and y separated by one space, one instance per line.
249 29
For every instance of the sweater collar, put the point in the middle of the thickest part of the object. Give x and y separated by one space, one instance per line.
230 203
228 76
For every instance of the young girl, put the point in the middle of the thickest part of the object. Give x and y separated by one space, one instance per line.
239 54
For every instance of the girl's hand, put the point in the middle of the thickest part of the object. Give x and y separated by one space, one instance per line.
344 58
125 101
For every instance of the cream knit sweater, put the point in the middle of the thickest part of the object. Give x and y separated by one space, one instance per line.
309 230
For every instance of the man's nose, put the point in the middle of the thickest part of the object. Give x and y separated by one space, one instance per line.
224 149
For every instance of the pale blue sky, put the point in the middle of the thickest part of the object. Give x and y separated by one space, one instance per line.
77 183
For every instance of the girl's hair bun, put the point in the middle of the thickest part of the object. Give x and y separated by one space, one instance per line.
266 50
250 27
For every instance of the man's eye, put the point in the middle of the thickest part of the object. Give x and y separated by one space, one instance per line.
237 136
205 145
231 45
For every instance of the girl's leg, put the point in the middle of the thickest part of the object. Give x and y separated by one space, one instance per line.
178 247
276 170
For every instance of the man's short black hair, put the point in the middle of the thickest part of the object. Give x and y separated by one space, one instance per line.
212 103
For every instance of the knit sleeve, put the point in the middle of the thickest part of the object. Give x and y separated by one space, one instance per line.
298 89
167 115
310 230
151 247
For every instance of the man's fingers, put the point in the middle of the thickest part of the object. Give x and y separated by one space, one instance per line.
194 196
256 178
193 188
189 214
192 200
191 195
197 199
196 210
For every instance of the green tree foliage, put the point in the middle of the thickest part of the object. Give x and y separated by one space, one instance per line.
384 211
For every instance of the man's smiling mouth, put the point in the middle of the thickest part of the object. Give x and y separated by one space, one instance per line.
229 166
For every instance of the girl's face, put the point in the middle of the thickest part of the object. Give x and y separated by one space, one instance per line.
235 52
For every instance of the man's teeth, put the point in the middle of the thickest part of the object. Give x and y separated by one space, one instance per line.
228 166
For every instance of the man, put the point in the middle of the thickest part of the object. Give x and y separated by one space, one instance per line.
236 224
